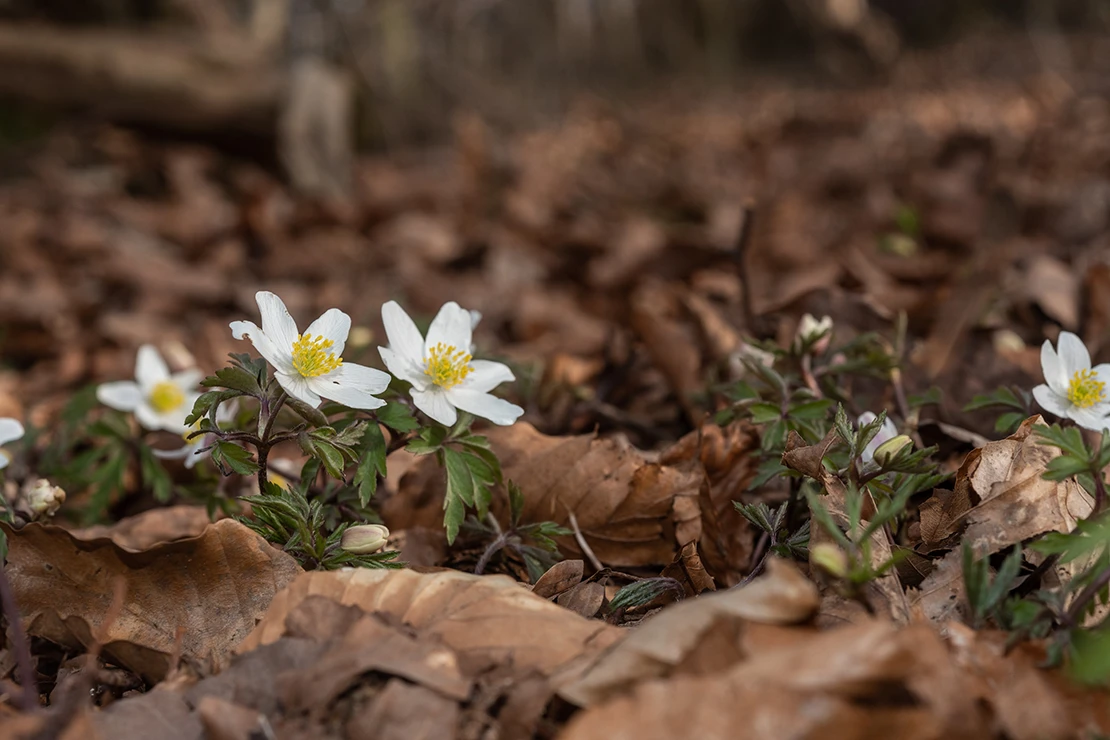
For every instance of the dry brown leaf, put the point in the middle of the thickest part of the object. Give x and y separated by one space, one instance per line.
631 511
486 620
942 517
1015 502
1055 288
659 644
144 531
585 599
214 588
941 597
687 569
563 575
869 680
657 316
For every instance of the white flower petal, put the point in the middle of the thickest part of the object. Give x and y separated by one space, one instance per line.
1054 373
147 416
333 324
187 380
434 403
1051 401
4 460
122 395
485 375
296 385
150 368
352 385
280 358
1073 353
475 317
277 323
451 327
1102 373
400 329
404 368
10 430
488 406
1094 418
865 418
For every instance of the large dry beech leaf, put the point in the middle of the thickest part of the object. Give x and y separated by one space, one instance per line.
631 510
1014 502
672 637
487 621
213 588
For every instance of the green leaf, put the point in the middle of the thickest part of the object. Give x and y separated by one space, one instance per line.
1003 396
1064 467
1090 655
516 503
207 403
932 397
644 592
310 414
765 413
398 417
330 456
1068 439
460 491
230 456
1006 423
154 475
234 378
818 409
371 463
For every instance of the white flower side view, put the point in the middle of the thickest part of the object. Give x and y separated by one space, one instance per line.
1072 388
886 432
10 431
444 376
158 399
309 366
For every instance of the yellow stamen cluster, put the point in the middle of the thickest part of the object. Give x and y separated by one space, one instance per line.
1085 389
446 365
166 397
313 356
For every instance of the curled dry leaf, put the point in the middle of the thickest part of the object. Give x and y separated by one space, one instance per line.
631 511
663 642
564 575
1015 502
144 531
213 588
486 620
868 680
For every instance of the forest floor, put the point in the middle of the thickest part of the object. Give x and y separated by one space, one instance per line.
625 261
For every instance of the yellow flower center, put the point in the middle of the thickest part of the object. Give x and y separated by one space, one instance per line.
313 356
166 397
447 366
1085 389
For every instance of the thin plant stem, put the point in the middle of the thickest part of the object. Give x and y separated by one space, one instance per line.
1078 607
265 443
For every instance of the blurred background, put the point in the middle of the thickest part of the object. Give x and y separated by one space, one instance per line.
624 188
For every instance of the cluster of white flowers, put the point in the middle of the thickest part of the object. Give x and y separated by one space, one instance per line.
310 367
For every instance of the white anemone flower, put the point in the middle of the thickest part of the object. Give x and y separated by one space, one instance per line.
309 366
1072 388
158 399
444 376
886 433
10 431
190 452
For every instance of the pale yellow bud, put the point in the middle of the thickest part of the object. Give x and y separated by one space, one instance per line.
829 558
888 450
364 539
44 498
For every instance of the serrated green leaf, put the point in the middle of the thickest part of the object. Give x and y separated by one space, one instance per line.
234 378
644 592
371 463
1064 467
764 413
330 456
818 409
398 417
230 456
1003 396
460 481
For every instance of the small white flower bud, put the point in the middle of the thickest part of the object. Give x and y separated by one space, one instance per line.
364 538
819 333
43 498
889 450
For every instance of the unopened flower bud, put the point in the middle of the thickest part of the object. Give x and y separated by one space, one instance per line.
364 539
814 333
889 450
44 498
750 354
829 558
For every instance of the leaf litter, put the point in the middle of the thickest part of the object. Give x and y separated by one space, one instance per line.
607 272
